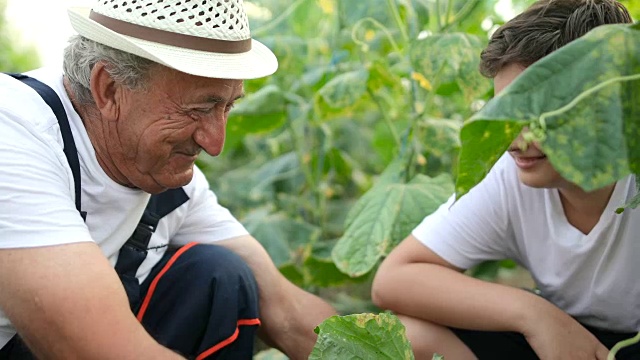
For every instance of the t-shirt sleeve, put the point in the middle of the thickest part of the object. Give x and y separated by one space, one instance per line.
36 188
206 220
473 229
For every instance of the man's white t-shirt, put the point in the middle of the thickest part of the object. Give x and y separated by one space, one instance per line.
37 196
592 277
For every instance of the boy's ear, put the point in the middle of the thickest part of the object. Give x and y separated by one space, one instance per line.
106 92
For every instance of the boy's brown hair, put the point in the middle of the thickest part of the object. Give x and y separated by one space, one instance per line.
543 28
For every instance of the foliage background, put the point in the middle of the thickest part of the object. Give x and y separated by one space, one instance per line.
362 87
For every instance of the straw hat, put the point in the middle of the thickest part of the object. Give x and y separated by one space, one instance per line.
207 38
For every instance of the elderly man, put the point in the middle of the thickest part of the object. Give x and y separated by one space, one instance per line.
147 85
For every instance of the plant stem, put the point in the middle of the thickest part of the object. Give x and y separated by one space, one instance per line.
378 25
447 13
621 344
463 13
393 7
408 173
438 18
300 150
385 117
275 22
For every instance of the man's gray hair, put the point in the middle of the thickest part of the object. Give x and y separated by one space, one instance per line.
82 54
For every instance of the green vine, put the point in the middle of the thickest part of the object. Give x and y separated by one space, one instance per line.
543 117
622 344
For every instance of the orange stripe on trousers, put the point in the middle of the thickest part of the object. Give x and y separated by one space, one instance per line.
152 287
228 340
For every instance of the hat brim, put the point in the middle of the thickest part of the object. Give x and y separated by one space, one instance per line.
256 63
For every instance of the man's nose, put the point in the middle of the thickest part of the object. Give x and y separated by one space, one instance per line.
210 134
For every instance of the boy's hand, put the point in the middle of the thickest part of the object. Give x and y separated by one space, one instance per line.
554 335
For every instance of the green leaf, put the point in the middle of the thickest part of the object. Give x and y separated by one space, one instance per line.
261 111
352 11
442 136
285 239
345 89
319 269
362 336
634 202
384 216
584 102
258 181
483 143
450 59
322 273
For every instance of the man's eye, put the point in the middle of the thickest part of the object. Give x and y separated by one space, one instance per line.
203 110
229 107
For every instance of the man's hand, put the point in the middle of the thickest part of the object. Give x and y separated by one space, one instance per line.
288 314
554 335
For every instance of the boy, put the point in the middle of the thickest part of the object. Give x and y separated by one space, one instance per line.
581 254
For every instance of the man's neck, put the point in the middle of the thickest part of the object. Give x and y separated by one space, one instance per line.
584 209
90 117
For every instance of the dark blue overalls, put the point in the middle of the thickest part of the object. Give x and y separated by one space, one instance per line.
209 291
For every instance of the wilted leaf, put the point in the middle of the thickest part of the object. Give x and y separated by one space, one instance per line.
362 336
590 123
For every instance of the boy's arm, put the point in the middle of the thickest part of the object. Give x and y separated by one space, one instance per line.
68 303
415 281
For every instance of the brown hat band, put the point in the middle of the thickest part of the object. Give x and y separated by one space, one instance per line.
171 38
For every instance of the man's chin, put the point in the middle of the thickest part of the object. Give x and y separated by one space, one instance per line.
166 181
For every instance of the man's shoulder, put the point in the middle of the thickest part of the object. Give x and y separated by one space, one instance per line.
21 105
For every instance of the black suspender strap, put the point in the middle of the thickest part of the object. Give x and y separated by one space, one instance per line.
71 153
134 251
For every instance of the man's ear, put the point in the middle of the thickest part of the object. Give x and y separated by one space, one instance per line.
105 91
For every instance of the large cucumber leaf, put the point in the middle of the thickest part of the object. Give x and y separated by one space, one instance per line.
384 216
583 104
362 336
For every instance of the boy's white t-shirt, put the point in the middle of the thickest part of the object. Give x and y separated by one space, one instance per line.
37 193
593 277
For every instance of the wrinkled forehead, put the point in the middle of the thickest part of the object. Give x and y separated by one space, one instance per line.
174 81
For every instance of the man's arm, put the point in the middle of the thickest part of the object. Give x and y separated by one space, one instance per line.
288 313
415 281
67 302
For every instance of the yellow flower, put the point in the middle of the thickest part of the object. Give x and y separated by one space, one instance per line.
327 6
424 83
369 35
